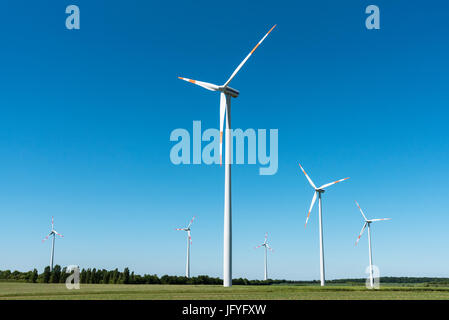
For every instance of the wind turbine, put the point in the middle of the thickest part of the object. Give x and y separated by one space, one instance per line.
189 241
53 233
368 223
319 191
267 246
226 93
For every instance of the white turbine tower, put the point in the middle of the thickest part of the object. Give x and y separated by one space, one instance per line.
319 191
226 93
267 246
53 233
368 223
189 241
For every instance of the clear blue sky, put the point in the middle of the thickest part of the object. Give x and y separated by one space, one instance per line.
85 120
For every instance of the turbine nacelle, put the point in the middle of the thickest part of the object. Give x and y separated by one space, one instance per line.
229 91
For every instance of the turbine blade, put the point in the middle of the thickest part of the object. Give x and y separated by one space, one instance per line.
190 237
311 207
205 85
380 219
269 248
331 183
259 246
247 57
266 237
180 229
52 222
191 221
308 178
46 238
222 117
361 232
361 211
58 234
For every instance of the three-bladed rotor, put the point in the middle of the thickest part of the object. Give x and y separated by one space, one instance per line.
53 231
265 243
367 222
317 190
225 90
187 229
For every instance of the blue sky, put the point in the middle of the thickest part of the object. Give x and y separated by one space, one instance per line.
86 117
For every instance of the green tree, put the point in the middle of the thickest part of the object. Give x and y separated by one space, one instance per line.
93 276
83 274
115 276
6 274
126 276
64 275
46 275
105 277
55 274
88 276
34 276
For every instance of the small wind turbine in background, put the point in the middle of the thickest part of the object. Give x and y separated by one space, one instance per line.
368 223
226 92
267 246
319 191
53 233
189 241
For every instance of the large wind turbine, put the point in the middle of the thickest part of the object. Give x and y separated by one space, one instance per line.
319 191
267 246
226 93
53 233
189 241
368 223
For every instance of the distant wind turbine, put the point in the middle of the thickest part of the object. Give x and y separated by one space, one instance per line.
319 191
189 241
368 223
53 233
226 93
267 246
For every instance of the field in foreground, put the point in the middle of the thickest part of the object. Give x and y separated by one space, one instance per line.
14 290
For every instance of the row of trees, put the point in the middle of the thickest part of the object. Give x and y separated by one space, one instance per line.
30 276
103 276
59 275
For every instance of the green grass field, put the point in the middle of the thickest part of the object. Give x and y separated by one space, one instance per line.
15 290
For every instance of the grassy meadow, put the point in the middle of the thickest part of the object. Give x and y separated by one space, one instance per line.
42 291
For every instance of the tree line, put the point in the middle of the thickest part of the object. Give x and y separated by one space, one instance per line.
103 276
